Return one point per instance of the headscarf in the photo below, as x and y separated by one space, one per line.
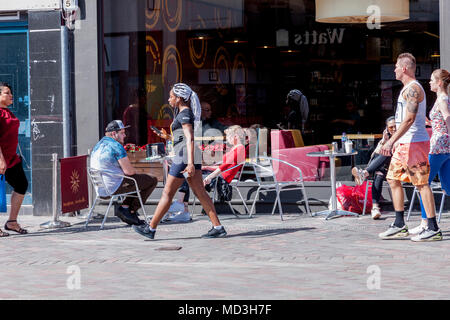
295 94
182 90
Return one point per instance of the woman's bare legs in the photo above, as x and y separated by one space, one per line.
196 184
171 187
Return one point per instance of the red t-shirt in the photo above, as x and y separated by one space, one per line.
9 137
230 159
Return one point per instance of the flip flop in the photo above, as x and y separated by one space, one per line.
20 230
3 234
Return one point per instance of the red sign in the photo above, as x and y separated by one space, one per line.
74 184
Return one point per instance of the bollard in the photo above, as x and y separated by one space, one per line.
55 223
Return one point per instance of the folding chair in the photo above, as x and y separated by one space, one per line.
96 177
267 180
436 188
234 184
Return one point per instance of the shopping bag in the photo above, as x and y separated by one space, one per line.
344 195
352 198
358 193
2 193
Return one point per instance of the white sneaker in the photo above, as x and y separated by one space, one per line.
417 230
176 206
375 212
394 232
359 175
428 235
183 216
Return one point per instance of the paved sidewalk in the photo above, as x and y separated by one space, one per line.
262 258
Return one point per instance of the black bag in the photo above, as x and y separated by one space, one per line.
224 190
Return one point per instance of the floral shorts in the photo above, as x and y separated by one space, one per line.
409 163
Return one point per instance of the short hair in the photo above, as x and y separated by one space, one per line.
408 60
443 75
5 84
236 130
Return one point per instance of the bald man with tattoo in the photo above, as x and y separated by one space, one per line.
409 147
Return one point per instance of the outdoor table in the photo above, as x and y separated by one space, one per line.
162 159
334 211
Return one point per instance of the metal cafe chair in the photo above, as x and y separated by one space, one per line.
234 184
96 177
267 180
436 188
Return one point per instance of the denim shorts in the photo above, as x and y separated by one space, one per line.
177 167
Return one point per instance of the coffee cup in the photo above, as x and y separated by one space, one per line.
348 146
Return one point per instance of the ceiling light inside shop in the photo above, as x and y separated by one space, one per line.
361 11
236 41
290 51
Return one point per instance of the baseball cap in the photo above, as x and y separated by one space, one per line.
115 125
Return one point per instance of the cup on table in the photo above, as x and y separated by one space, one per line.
154 150
348 146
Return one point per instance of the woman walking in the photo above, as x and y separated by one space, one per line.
187 116
10 162
439 155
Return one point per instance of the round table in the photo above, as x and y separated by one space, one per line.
334 211
162 159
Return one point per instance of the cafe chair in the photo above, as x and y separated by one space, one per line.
235 186
96 177
436 188
370 179
277 175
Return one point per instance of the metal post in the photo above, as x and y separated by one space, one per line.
65 82
55 223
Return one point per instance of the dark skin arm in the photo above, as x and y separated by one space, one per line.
413 96
189 134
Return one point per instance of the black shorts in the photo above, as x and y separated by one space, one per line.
178 166
15 176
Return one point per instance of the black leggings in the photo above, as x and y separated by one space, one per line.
378 163
15 176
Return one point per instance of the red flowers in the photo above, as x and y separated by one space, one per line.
130 147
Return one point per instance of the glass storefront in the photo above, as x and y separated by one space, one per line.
244 56
14 66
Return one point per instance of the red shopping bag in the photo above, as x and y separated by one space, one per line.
358 193
352 198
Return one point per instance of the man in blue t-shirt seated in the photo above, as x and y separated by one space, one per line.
109 155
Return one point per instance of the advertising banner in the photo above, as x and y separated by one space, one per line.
74 184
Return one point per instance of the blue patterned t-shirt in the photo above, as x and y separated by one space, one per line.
105 157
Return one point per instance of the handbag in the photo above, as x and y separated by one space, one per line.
2 193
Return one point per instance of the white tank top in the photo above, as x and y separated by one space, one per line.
417 132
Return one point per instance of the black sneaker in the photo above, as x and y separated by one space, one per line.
145 231
215 233
126 216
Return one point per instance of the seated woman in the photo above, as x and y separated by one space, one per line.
235 136
378 165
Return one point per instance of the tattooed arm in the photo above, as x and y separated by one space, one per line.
414 95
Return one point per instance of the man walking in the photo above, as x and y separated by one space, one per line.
109 155
409 147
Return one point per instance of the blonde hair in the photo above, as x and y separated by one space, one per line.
236 130
444 76
407 60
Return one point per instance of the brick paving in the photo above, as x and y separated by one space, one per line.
262 258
